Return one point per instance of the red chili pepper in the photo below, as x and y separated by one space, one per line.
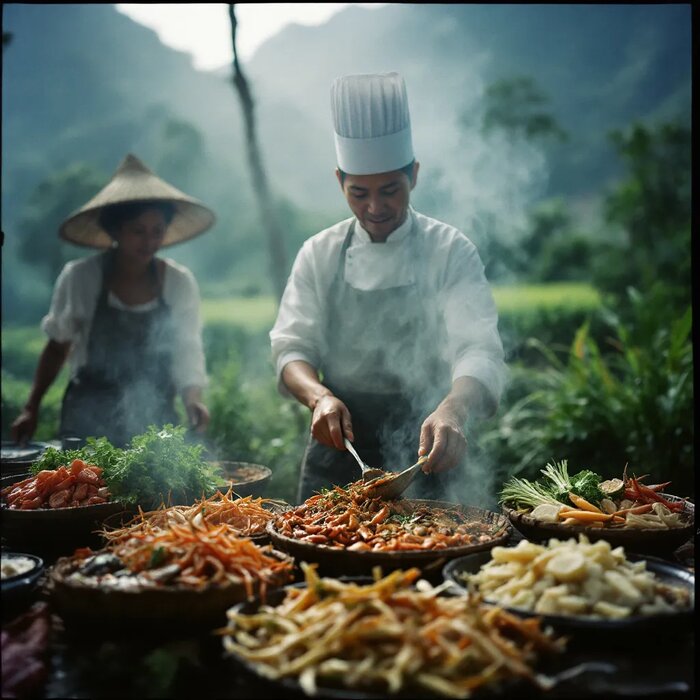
632 489
658 487
646 491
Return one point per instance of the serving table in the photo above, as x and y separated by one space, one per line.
96 663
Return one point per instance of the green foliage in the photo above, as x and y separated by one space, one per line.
14 396
550 249
519 106
551 314
255 313
251 422
53 200
523 492
652 208
633 404
97 451
158 466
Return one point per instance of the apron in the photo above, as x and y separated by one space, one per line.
126 384
383 362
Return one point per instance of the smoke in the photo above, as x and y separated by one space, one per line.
484 185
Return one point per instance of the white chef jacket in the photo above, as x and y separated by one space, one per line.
73 305
451 263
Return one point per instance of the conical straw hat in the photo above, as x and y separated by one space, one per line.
134 182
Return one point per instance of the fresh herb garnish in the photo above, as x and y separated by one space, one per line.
158 466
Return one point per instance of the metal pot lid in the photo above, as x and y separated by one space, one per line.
12 452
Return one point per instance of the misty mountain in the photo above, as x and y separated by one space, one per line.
603 66
86 84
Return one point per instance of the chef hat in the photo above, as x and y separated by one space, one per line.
372 123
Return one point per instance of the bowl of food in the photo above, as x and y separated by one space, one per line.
53 512
167 577
20 576
243 516
578 585
644 518
346 533
245 478
377 636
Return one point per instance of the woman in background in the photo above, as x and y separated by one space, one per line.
128 321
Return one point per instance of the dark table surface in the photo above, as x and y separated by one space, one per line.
98 663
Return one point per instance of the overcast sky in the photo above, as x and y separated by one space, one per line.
204 31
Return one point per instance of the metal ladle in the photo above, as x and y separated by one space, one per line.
393 486
368 473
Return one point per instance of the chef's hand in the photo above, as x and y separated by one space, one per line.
24 425
442 440
196 409
331 421
198 415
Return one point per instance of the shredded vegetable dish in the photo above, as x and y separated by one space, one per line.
190 555
245 517
386 636
346 518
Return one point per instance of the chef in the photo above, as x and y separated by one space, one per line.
387 329
127 320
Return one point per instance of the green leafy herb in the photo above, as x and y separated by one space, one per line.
158 466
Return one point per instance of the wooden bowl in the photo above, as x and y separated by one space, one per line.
52 532
148 610
246 478
638 540
341 562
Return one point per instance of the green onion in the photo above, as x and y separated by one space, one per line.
526 493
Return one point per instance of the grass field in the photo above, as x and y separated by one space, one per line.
515 298
255 314
258 313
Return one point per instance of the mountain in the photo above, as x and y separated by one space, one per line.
82 83
603 66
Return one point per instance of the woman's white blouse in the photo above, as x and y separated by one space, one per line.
452 266
73 305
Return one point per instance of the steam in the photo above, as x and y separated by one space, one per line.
484 185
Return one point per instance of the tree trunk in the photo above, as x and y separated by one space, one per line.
266 204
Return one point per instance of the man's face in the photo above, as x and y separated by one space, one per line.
380 202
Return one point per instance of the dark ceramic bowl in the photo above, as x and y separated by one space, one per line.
19 591
458 571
